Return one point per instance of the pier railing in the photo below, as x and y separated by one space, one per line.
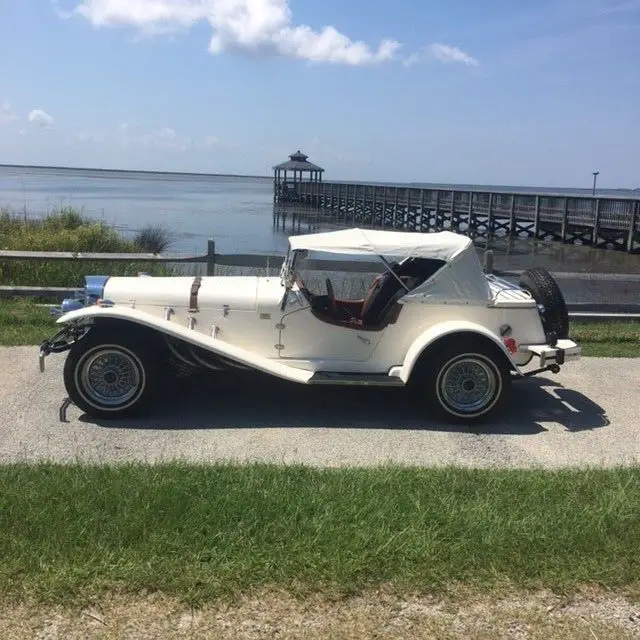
601 222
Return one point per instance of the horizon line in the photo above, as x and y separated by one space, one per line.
147 171
413 183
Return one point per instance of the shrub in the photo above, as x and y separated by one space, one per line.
153 239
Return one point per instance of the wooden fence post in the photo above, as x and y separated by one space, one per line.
452 212
395 208
211 257
565 217
489 232
635 211
596 224
488 261
536 220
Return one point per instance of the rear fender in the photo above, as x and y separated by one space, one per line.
433 335
89 315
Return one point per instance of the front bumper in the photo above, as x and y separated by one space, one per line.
563 351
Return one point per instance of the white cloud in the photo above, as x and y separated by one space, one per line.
127 136
443 53
41 118
7 114
414 58
264 26
164 138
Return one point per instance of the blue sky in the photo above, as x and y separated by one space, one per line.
492 92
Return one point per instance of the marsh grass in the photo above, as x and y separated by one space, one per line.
200 532
65 229
153 239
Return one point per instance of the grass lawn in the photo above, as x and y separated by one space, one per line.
22 322
72 533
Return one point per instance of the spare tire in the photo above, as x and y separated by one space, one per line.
546 292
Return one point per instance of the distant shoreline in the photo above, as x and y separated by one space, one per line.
618 191
142 171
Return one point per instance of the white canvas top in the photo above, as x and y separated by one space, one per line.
460 281
441 245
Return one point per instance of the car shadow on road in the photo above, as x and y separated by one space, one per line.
248 400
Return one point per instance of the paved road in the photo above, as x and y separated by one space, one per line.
586 415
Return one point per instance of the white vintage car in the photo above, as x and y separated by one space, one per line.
431 320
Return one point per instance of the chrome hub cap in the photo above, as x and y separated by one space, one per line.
111 377
468 385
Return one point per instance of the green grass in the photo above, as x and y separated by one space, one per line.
68 230
608 339
22 322
72 532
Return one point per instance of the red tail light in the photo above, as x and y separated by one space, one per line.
511 344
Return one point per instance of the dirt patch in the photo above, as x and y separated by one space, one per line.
374 615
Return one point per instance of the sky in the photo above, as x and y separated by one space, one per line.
499 92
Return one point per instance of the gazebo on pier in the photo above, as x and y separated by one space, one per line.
285 188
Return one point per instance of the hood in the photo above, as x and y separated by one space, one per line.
239 292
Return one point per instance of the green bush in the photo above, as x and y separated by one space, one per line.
64 230
153 239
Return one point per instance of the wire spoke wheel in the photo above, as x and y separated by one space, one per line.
111 376
468 384
464 380
112 372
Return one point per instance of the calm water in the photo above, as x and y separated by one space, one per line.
236 211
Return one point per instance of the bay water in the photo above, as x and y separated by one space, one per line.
237 211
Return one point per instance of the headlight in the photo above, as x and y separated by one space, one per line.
93 291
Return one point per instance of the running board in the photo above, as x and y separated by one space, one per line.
359 379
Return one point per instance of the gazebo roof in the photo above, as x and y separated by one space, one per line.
298 162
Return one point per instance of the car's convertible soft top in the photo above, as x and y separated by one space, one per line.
442 245
460 280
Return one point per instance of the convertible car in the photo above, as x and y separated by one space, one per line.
430 320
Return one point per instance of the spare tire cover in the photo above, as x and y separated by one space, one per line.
546 292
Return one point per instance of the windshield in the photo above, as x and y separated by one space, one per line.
350 279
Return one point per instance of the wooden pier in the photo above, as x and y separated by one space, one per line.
611 223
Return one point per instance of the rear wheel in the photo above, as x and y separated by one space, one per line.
110 373
465 383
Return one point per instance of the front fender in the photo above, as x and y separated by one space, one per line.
208 342
435 333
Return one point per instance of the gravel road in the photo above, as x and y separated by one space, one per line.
586 415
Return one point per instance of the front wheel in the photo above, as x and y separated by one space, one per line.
465 385
109 374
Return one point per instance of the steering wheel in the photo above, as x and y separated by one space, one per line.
331 296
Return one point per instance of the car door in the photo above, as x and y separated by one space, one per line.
303 336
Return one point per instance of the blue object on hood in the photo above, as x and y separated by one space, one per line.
94 288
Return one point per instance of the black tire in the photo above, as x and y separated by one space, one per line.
472 362
122 382
546 292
